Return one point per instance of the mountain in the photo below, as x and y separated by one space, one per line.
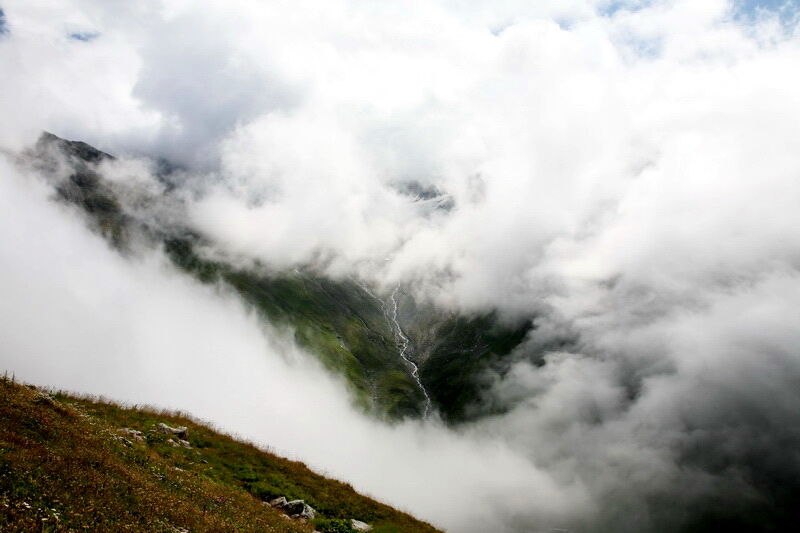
401 358
71 463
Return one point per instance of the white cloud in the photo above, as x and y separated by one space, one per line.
76 315
631 176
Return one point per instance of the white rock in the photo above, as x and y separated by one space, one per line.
278 502
179 432
299 509
358 525
132 434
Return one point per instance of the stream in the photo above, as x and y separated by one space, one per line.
402 341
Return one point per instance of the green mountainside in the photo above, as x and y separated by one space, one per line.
339 320
460 358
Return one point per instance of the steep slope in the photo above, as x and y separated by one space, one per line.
337 320
75 464
334 319
376 341
460 355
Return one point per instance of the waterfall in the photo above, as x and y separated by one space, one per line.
401 339
402 343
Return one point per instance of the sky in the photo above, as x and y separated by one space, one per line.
627 172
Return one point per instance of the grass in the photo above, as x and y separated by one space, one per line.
334 319
64 466
461 358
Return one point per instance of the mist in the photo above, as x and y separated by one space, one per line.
78 316
626 172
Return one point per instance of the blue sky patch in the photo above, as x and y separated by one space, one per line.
84 36
611 7
748 11
3 25
752 7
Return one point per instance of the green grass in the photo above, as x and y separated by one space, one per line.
334 319
63 467
460 359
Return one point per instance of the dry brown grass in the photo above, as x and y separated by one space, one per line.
63 467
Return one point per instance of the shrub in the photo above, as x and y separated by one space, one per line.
336 525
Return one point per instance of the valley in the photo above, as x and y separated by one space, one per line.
400 358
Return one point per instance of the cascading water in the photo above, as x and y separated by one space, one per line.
402 341
402 344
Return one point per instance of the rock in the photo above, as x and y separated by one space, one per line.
278 502
42 398
132 434
184 443
358 525
294 508
299 509
180 432
124 441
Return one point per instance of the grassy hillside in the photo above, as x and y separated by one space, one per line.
336 320
65 465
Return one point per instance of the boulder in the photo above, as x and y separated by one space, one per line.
278 502
42 398
299 509
132 434
358 525
180 432
124 441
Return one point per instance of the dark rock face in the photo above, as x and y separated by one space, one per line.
83 186
78 149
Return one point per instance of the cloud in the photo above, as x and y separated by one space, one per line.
627 171
79 316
